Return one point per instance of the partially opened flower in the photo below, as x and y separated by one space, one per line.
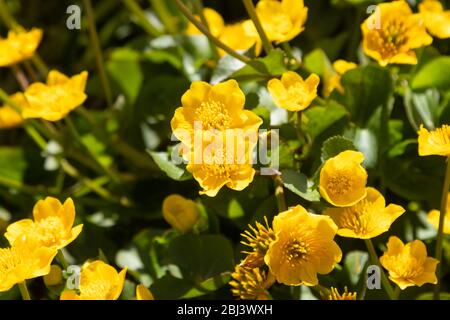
9 117
55 99
181 213
304 247
366 219
142 293
409 265
52 225
98 281
26 259
214 20
343 179
333 81
436 142
292 92
435 18
392 32
19 46
434 215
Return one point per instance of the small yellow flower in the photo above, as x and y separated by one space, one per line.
214 20
26 259
19 46
343 179
408 265
181 213
292 92
54 278
333 81
142 293
258 238
392 32
433 217
9 117
282 20
366 219
436 19
54 100
436 142
335 295
52 225
303 247
98 281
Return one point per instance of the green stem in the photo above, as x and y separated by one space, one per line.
262 34
200 11
24 290
440 233
164 14
141 18
98 51
384 280
397 291
62 259
279 193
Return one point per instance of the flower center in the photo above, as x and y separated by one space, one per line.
298 92
296 251
96 289
9 260
50 230
357 218
339 184
409 267
213 115
440 136
392 37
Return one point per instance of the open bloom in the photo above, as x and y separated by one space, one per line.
55 99
26 259
343 179
437 21
408 265
366 219
142 293
282 20
9 117
436 142
433 217
19 46
292 92
333 81
392 32
181 213
98 281
303 247
52 225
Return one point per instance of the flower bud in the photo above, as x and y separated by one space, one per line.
181 213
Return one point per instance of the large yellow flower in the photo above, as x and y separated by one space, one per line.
292 92
54 100
343 179
333 81
408 265
436 142
9 117
52 225
282 20
19 46
98 281
303 247
181 213
391 34
214 20
436 19
366 219
433 217
26 259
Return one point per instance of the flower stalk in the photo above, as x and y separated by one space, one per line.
267 45
24 290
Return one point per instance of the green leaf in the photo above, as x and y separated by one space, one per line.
354 265
335 145
318 62
226 66
272 65
165 164
298 183
321 118
366 142
12 163
433 74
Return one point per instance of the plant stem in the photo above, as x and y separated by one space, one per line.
279 193
440 233
164 14
20 77
384 280
141 18
200 11
397 292
24 290
262 34
98 51
62 259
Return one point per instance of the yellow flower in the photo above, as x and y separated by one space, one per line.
54 277
436 20
408 265
282 20
98 281
436 142
54 100
19 46
214 20
335 295
366 219
26 259
392 32
181 213
9 117
52 225
334 81
433 217
237 37
343 179
303 247
251 283
142 293
217 107
292 92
